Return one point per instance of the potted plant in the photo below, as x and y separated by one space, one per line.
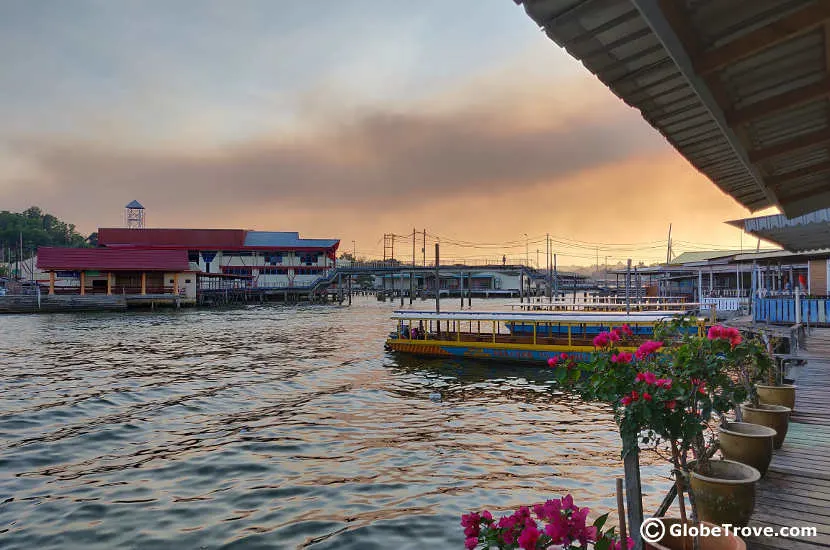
775 391
759 367
555 524
747 442
667 395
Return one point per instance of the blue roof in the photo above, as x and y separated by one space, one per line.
285 239
135 204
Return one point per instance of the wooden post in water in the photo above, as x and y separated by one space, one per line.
349 283
437 285
521 284
555 279
340 287
633 494
461 288
393 286
628 288
469 289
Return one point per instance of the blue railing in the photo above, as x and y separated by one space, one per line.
814 311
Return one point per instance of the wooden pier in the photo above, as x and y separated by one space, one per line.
31 303
796 489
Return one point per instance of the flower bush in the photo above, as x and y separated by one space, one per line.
558 523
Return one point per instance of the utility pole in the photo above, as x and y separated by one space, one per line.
548 266
537 258
437 285
412 273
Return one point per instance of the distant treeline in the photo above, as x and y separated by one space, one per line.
36 228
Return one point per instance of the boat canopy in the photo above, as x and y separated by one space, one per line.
539 316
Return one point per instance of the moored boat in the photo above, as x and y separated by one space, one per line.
515 336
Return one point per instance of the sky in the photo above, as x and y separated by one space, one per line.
337 119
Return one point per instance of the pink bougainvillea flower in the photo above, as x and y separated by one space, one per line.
529 536
626 401
622 357
647 348
487 516
664 383
601 340
671 405
650 378
625 329
471 543
646 396
614 336
635 396
618 545
552 361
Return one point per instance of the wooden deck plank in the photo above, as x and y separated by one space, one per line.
796 490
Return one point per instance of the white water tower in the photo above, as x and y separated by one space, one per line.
134 215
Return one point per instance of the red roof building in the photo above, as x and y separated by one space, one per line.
187 239
111 259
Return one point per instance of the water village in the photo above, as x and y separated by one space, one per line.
740 89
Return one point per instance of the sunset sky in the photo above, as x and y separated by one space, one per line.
338 119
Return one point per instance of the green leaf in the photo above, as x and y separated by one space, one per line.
599 523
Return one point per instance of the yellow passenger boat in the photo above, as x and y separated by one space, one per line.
516 336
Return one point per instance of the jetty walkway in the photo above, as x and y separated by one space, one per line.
796 489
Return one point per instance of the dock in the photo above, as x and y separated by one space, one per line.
796 489
32 303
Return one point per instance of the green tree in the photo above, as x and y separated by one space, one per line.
34 228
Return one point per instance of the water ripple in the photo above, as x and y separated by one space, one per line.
275 427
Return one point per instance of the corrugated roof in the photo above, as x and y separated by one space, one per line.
810 232
702 256
739 87
193 239
111 259
285 239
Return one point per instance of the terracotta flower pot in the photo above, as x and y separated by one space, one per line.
725 494
670 542
749 444
783 395
772 416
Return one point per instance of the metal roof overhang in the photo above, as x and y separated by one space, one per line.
739 87
810 232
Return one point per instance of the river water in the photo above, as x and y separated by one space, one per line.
276 427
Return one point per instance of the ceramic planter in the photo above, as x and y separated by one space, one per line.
749 444
669 542
772 416
726 494
783 395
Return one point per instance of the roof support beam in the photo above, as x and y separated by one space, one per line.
793 24
792 98
809 194
795 144
669 22
778 179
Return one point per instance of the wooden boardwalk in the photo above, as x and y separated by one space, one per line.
796 489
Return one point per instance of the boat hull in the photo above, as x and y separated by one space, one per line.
498 351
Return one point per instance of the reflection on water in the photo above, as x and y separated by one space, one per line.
275 427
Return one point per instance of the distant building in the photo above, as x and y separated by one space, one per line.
205 258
